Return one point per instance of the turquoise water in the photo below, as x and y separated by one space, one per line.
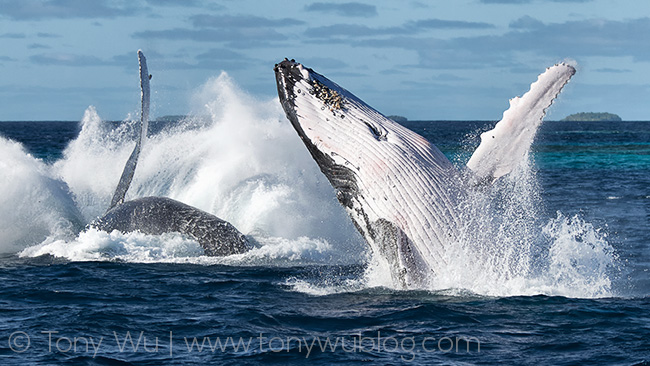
595 146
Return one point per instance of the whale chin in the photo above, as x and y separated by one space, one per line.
401 192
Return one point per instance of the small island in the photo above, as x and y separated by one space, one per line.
592 117
398 119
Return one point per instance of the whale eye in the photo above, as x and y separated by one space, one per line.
378 134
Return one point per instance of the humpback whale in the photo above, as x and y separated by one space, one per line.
158 215
401 192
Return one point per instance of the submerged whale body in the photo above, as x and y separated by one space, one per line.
403 195
159 215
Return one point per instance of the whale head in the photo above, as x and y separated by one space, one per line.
401 192
399 189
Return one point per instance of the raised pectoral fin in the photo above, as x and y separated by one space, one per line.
508 143
129 168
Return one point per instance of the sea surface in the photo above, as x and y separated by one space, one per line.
576 290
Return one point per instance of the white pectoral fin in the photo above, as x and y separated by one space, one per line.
129 168
145 93
508 143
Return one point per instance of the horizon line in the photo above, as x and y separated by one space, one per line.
410 120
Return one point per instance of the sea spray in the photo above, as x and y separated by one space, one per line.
95 245
237 158
233 157
33 204
509 247
245 166
92 163
136 247
581 263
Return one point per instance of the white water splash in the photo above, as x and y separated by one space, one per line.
244 163
509 248
94 245
135 247
579 258
235 158
33 204
326 288
92 163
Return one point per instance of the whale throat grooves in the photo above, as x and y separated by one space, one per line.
410 203
399 190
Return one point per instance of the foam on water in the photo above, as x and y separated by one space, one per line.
322 288
239 159
94 245
509 248
135 247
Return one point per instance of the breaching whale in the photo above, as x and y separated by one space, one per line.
158 215
401 192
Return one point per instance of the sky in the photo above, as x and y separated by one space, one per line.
426 60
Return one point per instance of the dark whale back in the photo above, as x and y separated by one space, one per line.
159 215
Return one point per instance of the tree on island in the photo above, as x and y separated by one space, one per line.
592 117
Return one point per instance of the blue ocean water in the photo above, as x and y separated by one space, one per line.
584 299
